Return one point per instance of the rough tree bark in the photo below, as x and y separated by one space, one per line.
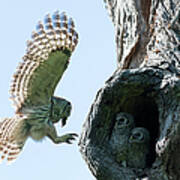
146 85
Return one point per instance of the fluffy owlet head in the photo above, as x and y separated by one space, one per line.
124 122
139 135
60 109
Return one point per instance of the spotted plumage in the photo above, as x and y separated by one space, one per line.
139 147
129 144
124 123
33 85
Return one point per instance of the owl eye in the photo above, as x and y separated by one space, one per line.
68 108
122 121
138 136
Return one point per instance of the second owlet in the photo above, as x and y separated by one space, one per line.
119 140
36 109
138 148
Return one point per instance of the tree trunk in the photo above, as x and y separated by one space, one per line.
145 85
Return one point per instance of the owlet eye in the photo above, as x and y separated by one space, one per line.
138 136
122 121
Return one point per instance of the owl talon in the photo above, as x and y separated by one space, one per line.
70 137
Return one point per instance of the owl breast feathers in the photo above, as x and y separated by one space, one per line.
33 85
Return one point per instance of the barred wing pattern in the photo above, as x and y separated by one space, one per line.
35 80
9 147
45 61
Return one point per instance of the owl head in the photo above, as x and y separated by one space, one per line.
124 122
60 110
139 135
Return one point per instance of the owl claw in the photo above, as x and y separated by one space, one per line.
70 137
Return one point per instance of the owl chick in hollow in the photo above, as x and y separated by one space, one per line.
119 140
36 109
139 144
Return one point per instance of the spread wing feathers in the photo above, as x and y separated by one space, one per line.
12 138
45 61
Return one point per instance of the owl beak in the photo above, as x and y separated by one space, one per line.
63 122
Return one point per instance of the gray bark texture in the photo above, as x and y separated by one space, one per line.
145 85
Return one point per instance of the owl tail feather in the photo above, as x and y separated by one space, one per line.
11 140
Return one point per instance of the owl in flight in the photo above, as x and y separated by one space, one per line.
34 82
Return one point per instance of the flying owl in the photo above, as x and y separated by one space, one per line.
33 85
119 141
139 144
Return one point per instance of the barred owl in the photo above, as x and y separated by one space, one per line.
36 109
120 135
139 144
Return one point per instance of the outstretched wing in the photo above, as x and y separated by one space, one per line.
45 61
